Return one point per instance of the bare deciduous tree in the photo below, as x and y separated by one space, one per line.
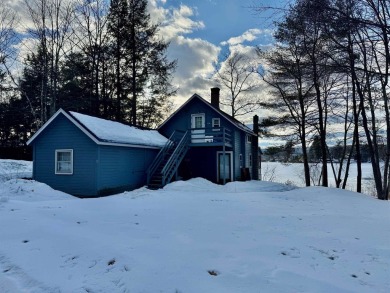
238 74
92 39
291 95
52 21
8 21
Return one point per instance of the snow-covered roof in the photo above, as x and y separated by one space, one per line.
111 131
106 132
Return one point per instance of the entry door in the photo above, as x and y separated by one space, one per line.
224 167
198 121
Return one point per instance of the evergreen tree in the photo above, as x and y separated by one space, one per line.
143 73
315 149
76 90
33 86
118 30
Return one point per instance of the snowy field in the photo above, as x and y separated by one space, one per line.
10 169
195 237
292 173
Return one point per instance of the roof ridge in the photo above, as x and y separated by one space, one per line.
232 120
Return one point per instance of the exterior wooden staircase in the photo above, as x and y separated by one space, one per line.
165 165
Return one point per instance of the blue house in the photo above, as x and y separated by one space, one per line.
205 142
87 156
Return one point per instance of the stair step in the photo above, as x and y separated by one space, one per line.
154 187
155 182
156 178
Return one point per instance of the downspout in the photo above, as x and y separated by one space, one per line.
255 149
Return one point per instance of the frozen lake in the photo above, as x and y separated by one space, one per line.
292 173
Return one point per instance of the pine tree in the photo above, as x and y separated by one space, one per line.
34 87
143 72
76 90
118 30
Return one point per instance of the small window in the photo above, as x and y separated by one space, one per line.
198 122
64 162
216 122
250 160
249 138
240 158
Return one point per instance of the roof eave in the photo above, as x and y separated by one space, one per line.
85 130
249 131
48 122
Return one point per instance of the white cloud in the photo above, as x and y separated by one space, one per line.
174 21
248 36
195 54
196 57
22 11
196 60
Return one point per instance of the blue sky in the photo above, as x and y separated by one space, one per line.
223 19
201 32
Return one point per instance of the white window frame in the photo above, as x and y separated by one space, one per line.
216 124
193 120
57 172
198 134
248 138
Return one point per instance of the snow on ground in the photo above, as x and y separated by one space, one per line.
10 169
292 173
194 236
29 190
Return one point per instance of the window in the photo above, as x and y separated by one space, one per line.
216 122
64 162
198 121
250 160
249 138
240 158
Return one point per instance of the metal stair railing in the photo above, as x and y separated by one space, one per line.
160 157
174 161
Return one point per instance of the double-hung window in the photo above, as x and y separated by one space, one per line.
64 162
216 122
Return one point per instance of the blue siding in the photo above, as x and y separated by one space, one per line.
62 134
202 161
97 170
122 168
237 152
182 119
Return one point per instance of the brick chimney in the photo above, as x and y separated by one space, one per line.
215 97
256 124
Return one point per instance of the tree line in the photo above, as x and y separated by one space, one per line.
103 58
330 65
